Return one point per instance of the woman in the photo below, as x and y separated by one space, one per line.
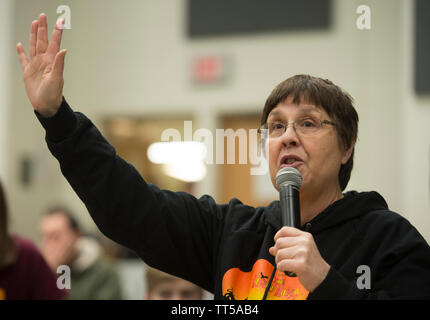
350 246
24 274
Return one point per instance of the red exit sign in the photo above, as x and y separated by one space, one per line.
208 69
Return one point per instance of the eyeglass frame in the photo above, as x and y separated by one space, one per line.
288 124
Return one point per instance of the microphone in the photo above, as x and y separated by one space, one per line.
288 180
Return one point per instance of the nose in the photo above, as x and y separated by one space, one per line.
290 138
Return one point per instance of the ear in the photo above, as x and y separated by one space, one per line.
347 153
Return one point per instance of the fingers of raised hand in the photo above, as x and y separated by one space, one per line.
54 44
59 63
33 38
22 56
42 35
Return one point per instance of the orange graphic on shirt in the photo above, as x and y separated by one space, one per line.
2 294
241 285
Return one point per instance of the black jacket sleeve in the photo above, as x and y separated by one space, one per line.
398 258
171 231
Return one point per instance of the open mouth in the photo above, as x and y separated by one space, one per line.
290 161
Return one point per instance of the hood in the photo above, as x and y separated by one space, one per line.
352 205
89 251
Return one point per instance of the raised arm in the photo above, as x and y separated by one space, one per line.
171 231
43 70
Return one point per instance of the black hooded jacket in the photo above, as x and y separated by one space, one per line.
373 253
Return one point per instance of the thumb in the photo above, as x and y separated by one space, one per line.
58 67
272 251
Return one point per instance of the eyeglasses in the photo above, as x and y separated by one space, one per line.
304 126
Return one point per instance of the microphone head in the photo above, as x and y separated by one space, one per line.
288 176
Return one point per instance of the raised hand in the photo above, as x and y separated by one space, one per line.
43 71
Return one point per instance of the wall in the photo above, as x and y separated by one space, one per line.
415 131
5 54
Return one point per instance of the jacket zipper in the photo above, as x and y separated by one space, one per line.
269 284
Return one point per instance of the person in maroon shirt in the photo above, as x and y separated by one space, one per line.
24 273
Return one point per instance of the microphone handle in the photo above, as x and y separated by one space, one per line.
290 206
290 210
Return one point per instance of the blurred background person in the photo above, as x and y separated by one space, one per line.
163 286
92 277
24 273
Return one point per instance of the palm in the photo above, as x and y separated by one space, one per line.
43 72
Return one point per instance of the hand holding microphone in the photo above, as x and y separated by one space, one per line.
288 181
295 249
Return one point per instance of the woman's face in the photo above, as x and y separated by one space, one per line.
317 156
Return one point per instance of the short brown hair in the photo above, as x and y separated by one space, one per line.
68 214
154 277
324 94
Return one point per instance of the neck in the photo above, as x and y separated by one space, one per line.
311 204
